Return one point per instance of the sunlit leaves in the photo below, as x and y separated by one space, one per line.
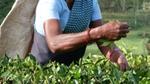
91 69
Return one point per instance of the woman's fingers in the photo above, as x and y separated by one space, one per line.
124 30
123 67
115 30
123 35
124 25
122 62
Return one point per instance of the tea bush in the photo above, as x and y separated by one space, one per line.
92 69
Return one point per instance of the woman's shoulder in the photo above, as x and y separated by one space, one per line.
49 4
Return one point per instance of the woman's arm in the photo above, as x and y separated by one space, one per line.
59 42
113 54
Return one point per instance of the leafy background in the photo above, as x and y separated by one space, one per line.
94 68
5 6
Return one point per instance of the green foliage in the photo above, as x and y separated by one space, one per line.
140 20
5 6
122 5
92 69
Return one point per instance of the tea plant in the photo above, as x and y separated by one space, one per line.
92 69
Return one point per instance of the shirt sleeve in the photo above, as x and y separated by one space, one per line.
96 11
48 9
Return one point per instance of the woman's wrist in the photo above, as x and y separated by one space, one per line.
87 36
96 33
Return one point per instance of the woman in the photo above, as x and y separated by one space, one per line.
64 28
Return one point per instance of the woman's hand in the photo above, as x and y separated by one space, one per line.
114 30
118 57
115 55
111 31
122 63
